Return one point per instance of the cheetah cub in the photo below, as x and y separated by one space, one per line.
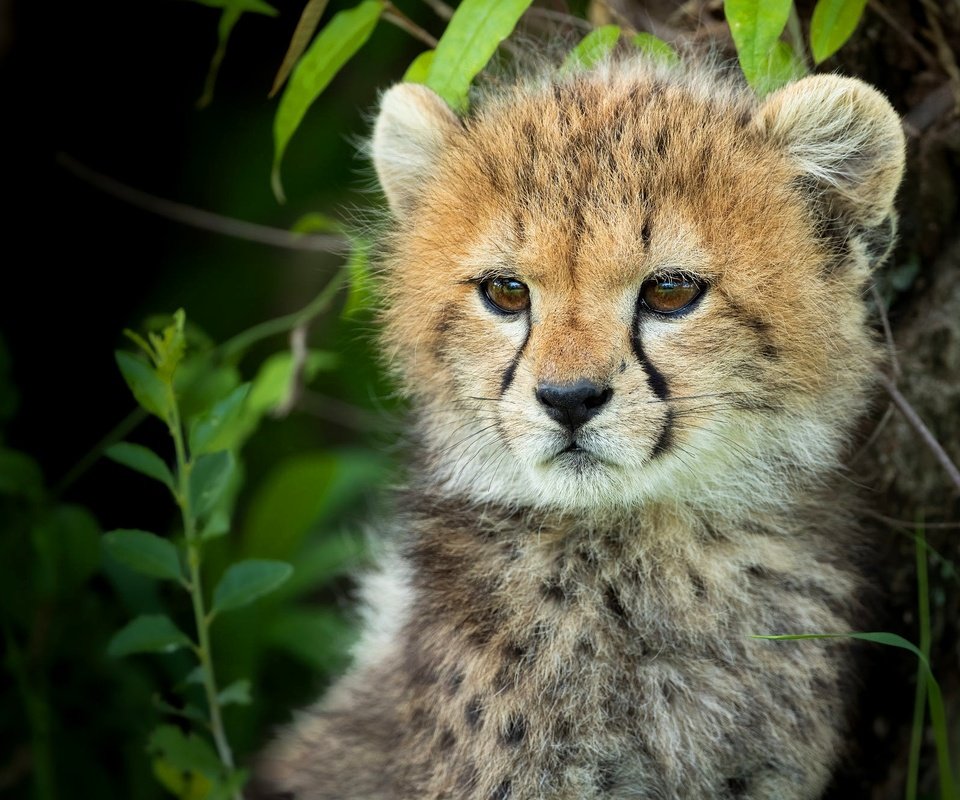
628 307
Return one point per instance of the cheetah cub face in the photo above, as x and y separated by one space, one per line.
623 285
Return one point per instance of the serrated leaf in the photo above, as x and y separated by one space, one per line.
214 430
149 633
247 581
142 460
189 753
144 552
419 68
237 692
209 478
756 26
336 44
832 24
656 48
472 37
150 392
592 48
306 27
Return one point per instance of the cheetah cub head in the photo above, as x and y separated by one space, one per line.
627 285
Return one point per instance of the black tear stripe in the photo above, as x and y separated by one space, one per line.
665 439
512 369
655 379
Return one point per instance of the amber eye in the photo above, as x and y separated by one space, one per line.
506 294
670 294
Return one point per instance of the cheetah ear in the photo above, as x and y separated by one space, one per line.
847 140
411 129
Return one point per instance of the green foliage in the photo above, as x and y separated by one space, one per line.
832 25
756 26
248 581
336 44
145 553
592 48
469 42
656 48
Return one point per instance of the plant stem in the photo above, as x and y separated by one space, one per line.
920 697
204 651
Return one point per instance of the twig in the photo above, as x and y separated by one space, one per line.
887 332
118 432
439 8
298 351
928 438
911 525
944 51
395 16
204 220
559 17
336 411
934 106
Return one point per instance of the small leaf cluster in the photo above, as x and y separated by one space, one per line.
769 62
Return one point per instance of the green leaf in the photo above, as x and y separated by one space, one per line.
592 48
209 478
229 17
188 753
148 633
216 429
198 384
890 639
319 638
148 389
145 553
315 222
419 68
143 460
66 540
656 48
20 475
756 26
255 6
247 581
237 692
218 524
182 784
306 27
783 67
272 383
833 23
360 290
472 36
343 36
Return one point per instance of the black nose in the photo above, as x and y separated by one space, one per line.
572 404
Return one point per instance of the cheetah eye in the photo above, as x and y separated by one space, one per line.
506 295
669 294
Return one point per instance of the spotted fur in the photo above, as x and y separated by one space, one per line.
567 612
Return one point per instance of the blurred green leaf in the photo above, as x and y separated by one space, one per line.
343 36
301 493
144 552
315 222
150 392
217 429
141 459
656 48
592 48
209 478
756 26
472 37
319 638
360 289
237 692
148 633
419 68
199 385
169 345
273 380
247 581
306 27
67 542
255 6
218 524
832 24
335 554
20 475
182 784
186 752
890 639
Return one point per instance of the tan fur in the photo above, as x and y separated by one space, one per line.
579 626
